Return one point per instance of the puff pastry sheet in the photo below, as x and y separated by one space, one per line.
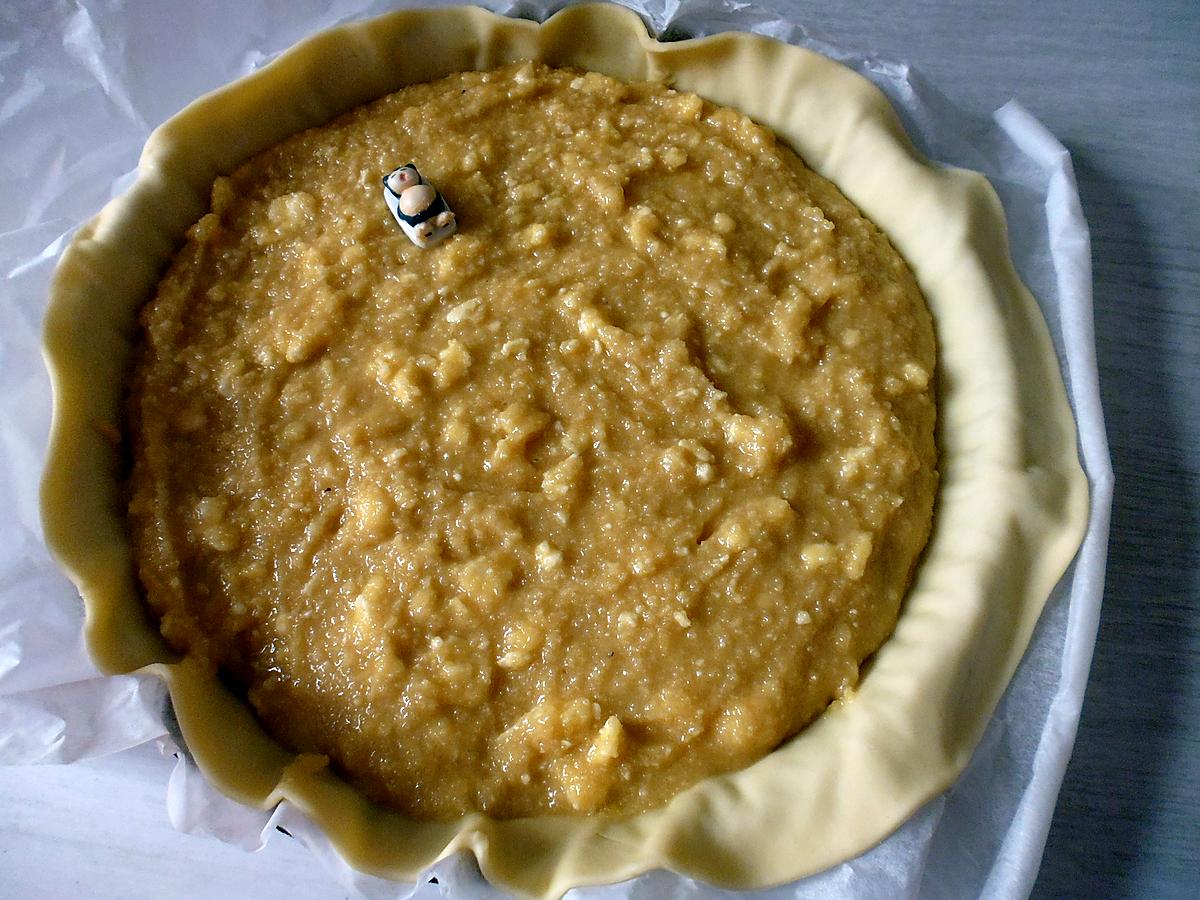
1009 518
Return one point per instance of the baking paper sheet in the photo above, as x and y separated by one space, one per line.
82 86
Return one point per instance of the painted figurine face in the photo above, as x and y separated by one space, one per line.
402 178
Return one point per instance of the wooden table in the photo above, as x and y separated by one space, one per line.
1120 85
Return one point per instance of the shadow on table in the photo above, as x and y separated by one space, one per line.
1121 806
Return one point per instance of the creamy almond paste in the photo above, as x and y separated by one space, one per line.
610 491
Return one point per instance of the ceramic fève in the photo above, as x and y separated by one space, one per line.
418 207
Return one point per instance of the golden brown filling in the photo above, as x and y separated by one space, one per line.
612 490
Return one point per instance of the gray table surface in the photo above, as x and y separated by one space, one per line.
1119 84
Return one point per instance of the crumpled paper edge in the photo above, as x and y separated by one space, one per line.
43 694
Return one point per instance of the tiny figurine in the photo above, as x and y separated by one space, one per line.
418 208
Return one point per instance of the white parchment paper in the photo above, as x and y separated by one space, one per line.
81 87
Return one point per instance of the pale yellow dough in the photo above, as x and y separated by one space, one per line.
612 491
1010 513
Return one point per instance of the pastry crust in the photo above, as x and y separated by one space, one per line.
1011 512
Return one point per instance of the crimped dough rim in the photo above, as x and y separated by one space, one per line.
1010 515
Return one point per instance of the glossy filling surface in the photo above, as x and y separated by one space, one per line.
611 490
